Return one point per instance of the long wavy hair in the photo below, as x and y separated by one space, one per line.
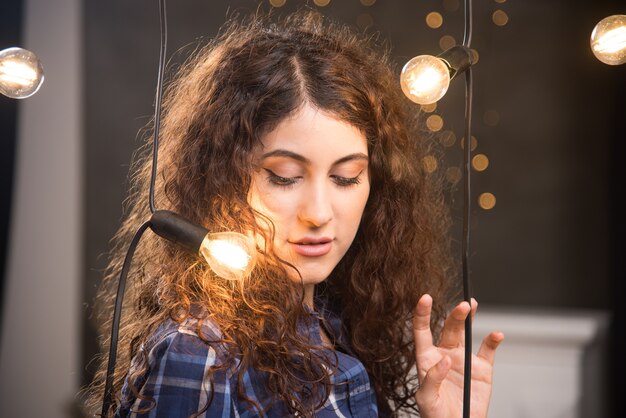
253 75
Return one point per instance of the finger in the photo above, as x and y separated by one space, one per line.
421 324
489 345
454 327
429 387
474 308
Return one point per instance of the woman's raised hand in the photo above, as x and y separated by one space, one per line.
440 368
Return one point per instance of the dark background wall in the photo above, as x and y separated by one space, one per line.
10 27
548 115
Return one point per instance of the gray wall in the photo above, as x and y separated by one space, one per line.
40 365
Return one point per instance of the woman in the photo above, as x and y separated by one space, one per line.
294 133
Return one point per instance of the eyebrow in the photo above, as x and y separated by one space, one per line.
298 157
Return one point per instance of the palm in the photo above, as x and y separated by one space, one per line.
440 368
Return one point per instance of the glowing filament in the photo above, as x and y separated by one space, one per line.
229 254
21 73
425 79
612 41
608 40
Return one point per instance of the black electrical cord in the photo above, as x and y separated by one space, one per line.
115 326
119 298
467 293
157 104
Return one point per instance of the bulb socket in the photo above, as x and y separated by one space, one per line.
177 229
458 59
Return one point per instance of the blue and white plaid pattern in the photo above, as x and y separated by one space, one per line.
177 378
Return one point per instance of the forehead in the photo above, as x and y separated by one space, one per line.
317 135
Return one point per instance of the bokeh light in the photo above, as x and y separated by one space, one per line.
447 138
446 42
434 20
491 117
500 18
451 5
429 108
430 163
434 123
364 21
453 175
487 201
480 162
475 56
474 143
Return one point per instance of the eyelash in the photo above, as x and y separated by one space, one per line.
287 182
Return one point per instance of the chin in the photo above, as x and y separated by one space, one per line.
308 277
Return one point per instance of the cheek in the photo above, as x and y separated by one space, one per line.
275 204
353 204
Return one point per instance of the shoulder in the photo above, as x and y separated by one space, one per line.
188 367
191 344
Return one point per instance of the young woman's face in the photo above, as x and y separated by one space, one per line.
311 179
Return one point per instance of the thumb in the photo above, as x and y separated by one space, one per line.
429 388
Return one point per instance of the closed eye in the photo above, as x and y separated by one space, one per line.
347 181
280 181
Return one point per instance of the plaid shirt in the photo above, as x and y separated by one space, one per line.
177 377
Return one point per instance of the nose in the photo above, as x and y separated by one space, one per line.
316 207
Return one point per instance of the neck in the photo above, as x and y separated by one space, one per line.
309 291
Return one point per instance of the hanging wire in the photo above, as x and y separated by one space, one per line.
157 104
467 291
115 326
119 298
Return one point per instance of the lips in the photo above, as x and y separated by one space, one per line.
312 246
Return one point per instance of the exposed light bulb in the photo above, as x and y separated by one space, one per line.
425 79
21 73
608 40
229 254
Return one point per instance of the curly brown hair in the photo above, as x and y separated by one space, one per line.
256 73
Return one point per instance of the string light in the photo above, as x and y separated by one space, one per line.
425 79
608 40
368 2
229 254
21 73
278 3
